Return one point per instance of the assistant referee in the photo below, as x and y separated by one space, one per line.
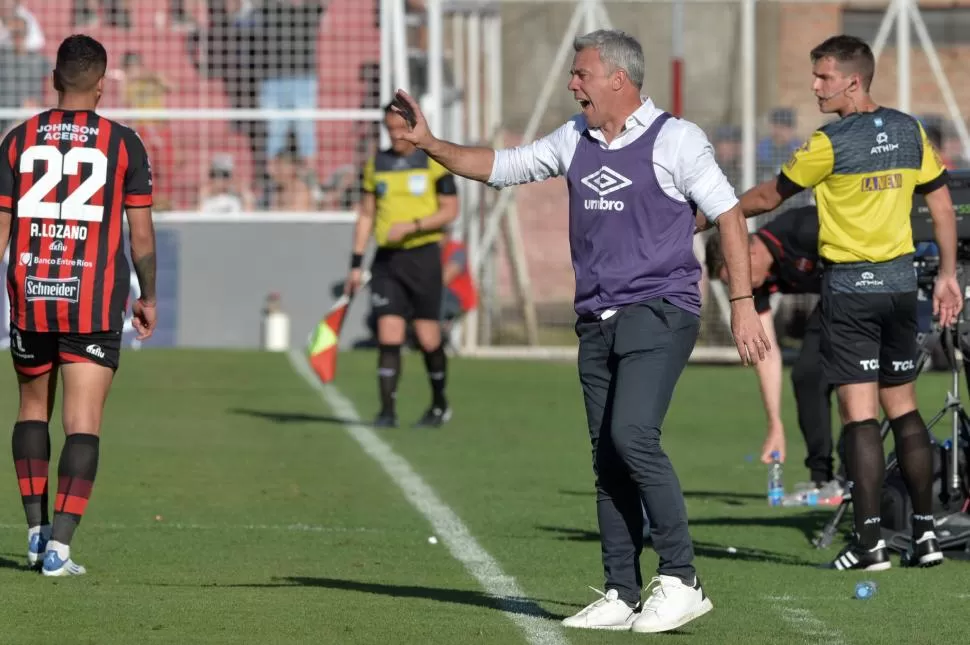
864 169
408 199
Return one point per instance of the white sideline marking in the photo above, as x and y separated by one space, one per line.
804 622
447 526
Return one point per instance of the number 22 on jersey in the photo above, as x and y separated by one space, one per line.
59 166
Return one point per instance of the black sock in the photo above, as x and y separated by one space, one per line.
388 371
915 454
31 457
75 479
437 364
866 468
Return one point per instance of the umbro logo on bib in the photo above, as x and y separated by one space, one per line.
604 182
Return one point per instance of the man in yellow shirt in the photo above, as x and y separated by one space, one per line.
864 169
408 199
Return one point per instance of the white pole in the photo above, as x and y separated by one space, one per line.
493 45
604 16
436 54
884 28
945 89
400 50
387 84
903 67
589 15
748 96
473 104
495 214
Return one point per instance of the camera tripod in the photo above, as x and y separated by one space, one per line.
960 438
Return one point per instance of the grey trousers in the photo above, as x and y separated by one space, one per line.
628 367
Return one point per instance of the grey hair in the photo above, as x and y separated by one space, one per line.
617 49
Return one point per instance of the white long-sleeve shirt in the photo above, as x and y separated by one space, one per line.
683 159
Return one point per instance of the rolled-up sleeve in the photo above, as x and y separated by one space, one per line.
698 177
542 159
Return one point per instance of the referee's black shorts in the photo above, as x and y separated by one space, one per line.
407 282
868 337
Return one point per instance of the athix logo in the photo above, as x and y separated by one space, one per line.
603 182
94 350
883 145
868 280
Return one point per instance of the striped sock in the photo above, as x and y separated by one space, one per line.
31 445
75 479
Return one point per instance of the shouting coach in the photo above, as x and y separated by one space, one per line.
632 173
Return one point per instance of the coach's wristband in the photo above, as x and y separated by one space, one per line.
736 298
356 260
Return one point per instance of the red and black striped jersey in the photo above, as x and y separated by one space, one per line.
66 177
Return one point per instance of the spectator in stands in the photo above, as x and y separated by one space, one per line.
778 147
116 13
293 185
144 88
229 45
222 193
9 12
287 55
23 73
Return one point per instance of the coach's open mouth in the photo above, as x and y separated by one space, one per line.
583 103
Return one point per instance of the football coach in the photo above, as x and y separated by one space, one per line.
632 172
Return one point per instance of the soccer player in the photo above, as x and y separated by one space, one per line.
864 169
67 175
632 171
408 199
784 259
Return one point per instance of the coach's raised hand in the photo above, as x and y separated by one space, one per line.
473 162
417 132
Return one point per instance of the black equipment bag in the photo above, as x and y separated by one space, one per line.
950 510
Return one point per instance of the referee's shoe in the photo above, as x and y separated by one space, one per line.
435 417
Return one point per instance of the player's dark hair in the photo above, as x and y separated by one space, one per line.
713 257
851 53
81 62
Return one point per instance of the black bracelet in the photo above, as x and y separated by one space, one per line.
736 298
356 260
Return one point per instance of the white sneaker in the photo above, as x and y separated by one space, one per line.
671 604
609 612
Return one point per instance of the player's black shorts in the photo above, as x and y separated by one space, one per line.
35 353
407 282
869 328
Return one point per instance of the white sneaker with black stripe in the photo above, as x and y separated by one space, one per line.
672 604
856 557
609 612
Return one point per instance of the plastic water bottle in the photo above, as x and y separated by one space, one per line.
776 488
865 590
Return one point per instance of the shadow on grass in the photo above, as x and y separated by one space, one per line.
290 417
523 606
808 524
701 549
18 565
726 497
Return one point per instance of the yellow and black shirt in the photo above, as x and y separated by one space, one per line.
864 169
405 189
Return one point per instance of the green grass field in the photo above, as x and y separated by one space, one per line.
232 506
